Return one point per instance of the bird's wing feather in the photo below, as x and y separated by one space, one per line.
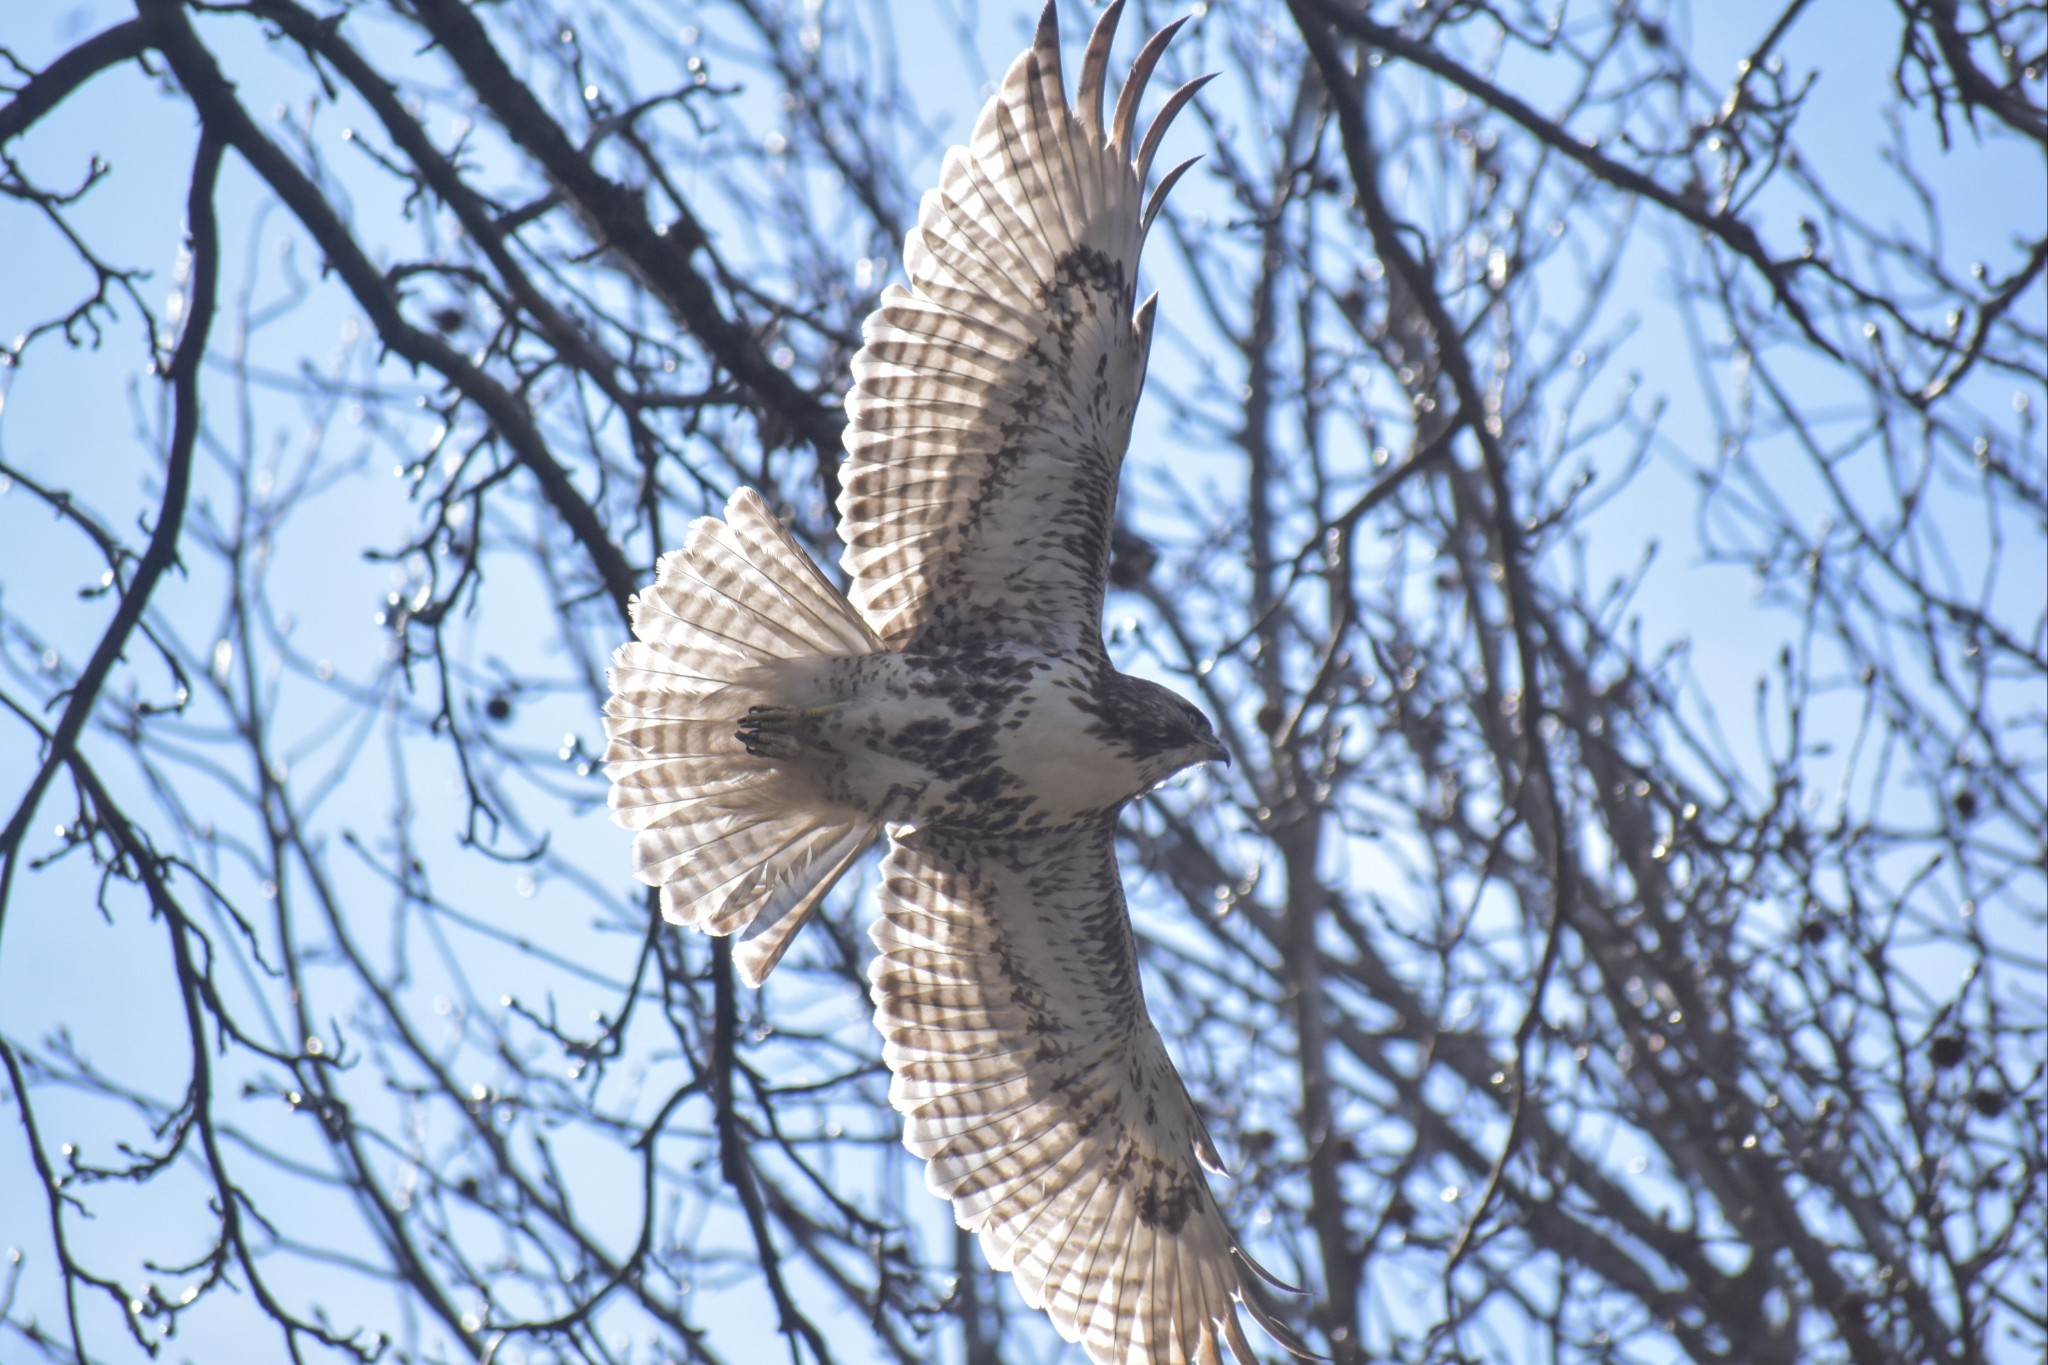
992 400
1032 1080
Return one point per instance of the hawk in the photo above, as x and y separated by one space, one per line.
765 729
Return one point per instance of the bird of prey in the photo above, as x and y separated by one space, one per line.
764 730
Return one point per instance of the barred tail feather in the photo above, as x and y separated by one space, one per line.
738 844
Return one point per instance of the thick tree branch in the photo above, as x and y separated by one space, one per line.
182 377
200 75
1723 226
58 81
617 217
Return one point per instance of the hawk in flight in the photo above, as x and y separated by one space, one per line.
764 730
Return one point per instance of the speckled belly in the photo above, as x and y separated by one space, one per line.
1004 741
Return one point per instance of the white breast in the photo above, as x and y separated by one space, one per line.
1056 754
908 740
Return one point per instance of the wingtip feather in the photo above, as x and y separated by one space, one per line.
1161 121
1095 68
1161 190
1134 84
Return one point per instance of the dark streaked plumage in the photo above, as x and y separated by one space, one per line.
764 729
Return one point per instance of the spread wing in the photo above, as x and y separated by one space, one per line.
1033 1081
992 400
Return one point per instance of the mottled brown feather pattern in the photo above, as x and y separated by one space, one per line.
991 407
993 399
737 847
762 730
1034 1083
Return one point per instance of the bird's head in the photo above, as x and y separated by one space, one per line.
1164 731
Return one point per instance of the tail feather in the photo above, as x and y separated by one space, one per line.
738 844
743 587
763 942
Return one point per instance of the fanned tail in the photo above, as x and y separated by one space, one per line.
738 843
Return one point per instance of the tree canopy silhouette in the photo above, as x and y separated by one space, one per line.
1592 470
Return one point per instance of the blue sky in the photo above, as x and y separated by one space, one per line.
72 417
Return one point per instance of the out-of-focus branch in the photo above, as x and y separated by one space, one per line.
203 239
1725 227
2009 104
1561 989
1535 786
46 89
617 217
563 332
200 74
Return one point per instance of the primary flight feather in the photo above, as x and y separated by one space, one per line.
764 730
